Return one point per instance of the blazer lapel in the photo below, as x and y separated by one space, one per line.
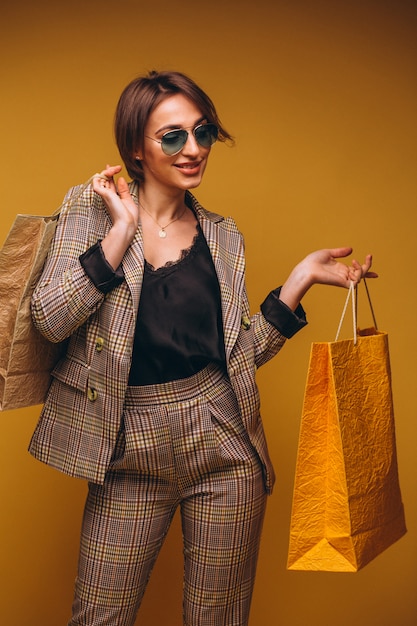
226 247
133 262
227 250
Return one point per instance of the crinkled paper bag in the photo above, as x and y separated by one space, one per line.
347 505
26 357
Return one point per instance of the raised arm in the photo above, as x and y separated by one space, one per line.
123 213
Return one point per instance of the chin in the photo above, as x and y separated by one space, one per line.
190 183
193 185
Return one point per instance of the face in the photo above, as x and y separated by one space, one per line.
184 170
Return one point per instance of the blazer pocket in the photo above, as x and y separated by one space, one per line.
72 372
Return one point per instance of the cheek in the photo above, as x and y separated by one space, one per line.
204 164
155 158
158 167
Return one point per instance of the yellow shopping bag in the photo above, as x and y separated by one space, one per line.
347 505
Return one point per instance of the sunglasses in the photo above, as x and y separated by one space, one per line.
173 141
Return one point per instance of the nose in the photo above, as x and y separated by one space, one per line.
191 146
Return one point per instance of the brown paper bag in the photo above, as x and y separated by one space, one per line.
347 505
26 357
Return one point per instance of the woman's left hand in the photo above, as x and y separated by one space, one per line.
323 267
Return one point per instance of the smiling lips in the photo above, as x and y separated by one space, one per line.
188 167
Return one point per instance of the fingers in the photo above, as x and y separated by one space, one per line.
339 253
100 183
368 262
367 266
123 188
355 272
104 180
358 271
111 170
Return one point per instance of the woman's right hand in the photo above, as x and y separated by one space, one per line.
123 212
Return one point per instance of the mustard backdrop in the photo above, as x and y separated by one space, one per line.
321 97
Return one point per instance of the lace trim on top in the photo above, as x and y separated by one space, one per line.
186 253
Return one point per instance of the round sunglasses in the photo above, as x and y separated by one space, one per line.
173 141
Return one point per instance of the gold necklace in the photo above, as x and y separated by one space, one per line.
162 229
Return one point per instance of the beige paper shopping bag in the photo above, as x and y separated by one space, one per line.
26 357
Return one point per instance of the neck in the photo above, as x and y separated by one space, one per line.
162 206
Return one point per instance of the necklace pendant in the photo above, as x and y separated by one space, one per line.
162 233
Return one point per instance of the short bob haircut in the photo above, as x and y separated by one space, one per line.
137 102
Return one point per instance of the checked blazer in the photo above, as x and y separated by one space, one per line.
82 414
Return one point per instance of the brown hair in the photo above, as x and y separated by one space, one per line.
137 102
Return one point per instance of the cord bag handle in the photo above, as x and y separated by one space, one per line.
352 294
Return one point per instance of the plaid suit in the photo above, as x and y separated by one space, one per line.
197 443
90 382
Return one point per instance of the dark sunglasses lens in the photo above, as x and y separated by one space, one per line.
206 134
173 141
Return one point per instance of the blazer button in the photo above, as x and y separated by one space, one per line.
92 394
99 344
245 322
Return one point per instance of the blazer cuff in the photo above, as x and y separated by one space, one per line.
277 313
99 270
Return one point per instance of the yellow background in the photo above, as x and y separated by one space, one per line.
321 96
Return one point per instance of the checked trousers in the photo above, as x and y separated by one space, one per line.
182 444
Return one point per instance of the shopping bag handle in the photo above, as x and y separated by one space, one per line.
352 293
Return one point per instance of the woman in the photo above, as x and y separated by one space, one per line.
155 402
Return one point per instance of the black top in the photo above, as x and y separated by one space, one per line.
179 326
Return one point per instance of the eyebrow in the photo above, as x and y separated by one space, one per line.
178 126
